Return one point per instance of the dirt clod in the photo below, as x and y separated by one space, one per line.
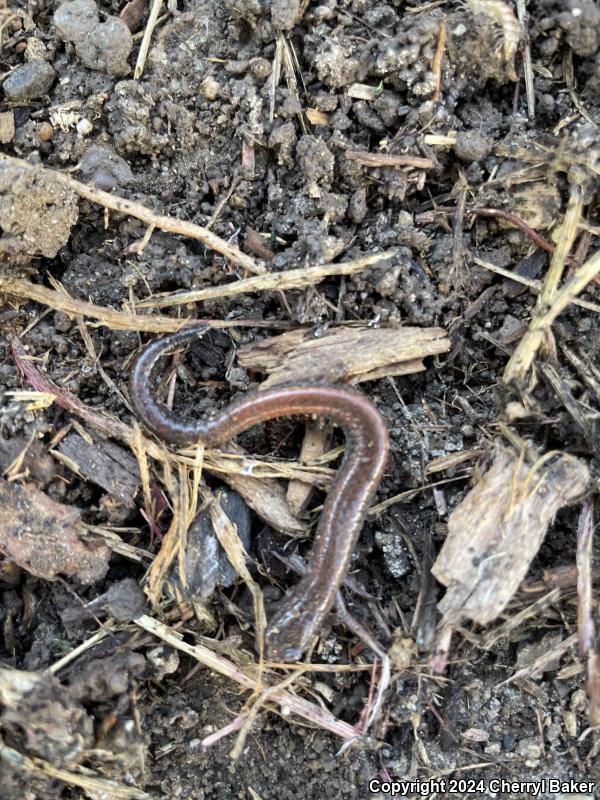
103 46
36 210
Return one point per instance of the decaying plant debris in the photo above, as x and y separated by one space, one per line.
495 532
401 197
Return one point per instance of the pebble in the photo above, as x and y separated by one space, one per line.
165 660
209 88
101 165
531 750
84 127
260 68
29 81
45 131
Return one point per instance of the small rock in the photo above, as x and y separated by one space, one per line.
125 600
508 741
260 68
509 326
45 131
210 88
492 749
164 659
570 722
84 127
531 750
476 735
29 81
101 165
36 50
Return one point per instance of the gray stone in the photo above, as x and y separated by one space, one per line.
29 81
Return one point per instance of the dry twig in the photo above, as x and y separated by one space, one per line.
155 9
149 217
277 281
297 705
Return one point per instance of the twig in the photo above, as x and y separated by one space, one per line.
387 160
116 320
147 38
525 50
297 705
292 279
585 623
524 354
582 276
458 252
568 234
144 214
77 651
588 646
540 664
233 727
508 216
436 64
531 283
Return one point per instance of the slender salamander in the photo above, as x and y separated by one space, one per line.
301 613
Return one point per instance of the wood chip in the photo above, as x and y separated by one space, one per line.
105 464
266 497
40 535
361 91
7 127
314 444
495 532
316 117
132 14
347 354
387 160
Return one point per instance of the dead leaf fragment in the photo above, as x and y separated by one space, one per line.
39 535
495 532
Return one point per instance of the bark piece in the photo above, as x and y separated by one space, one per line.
314 444
495 532
265 496
105 464
348 354
39 535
